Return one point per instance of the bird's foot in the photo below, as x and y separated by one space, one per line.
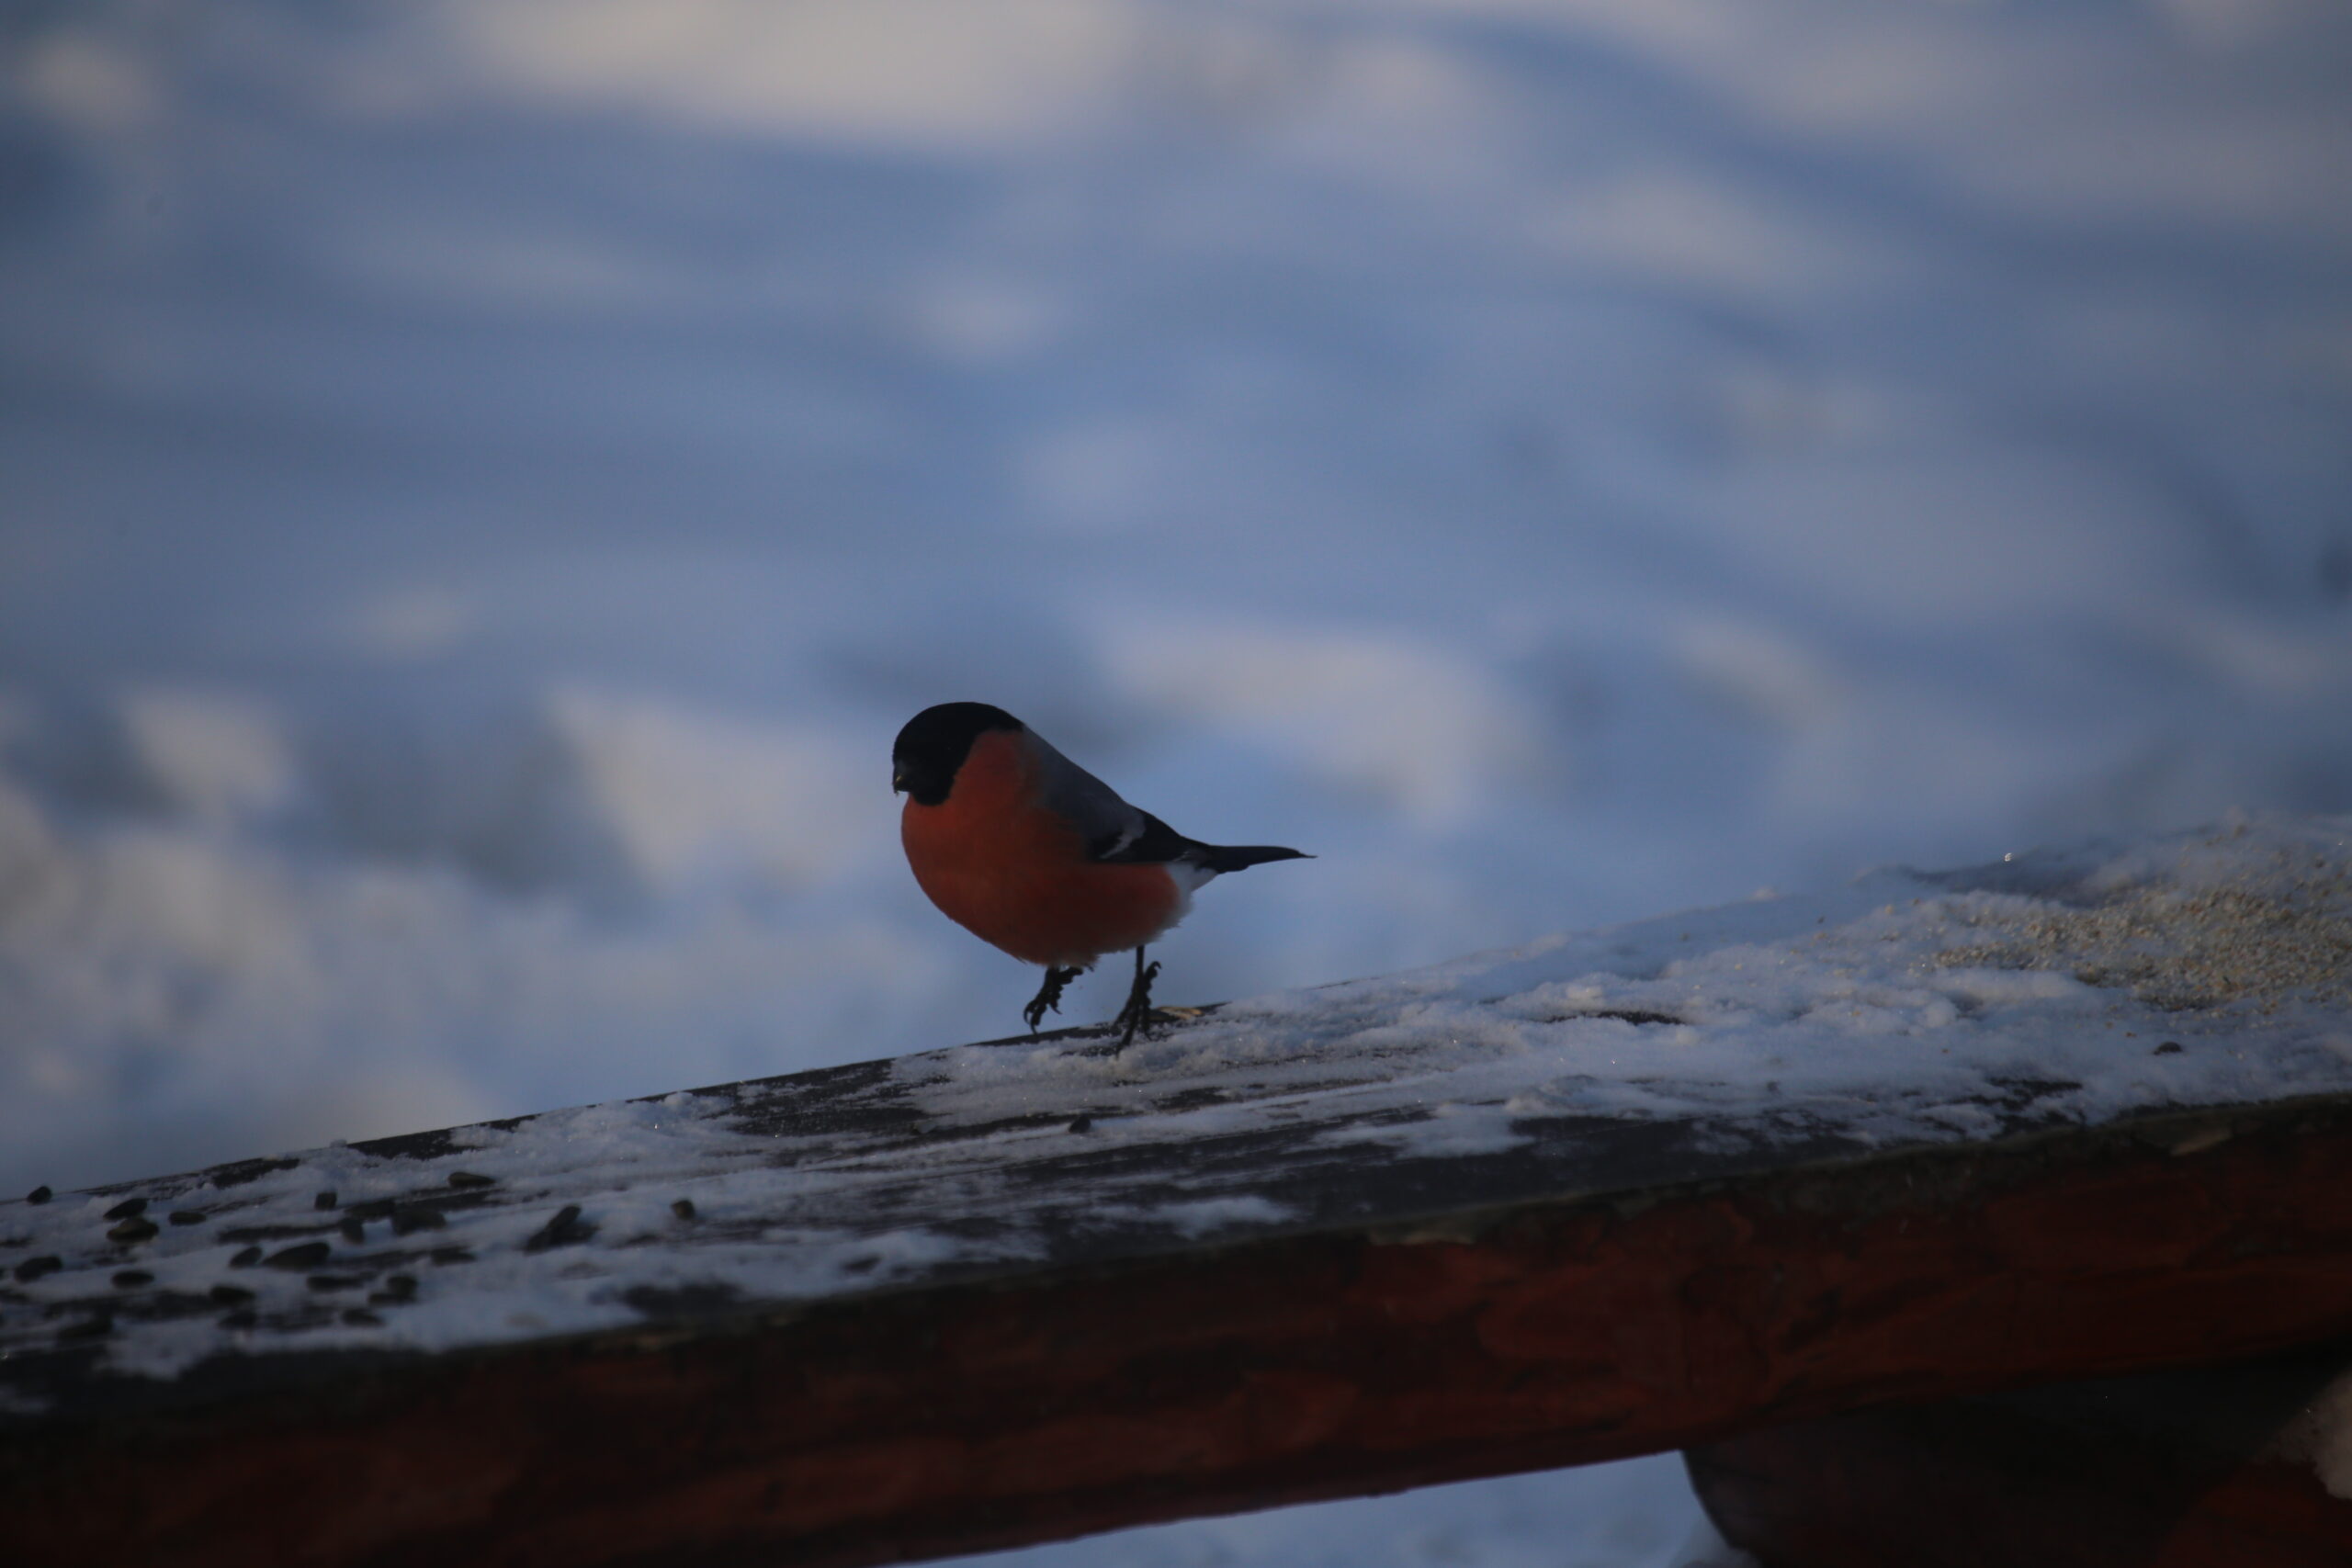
1137 1014
1049 996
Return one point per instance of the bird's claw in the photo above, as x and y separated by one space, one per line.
1049 996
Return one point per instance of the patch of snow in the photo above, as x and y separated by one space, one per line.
1635 1514
1206 1216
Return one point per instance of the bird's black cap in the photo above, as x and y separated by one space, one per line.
934 743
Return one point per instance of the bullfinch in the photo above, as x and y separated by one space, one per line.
1032 854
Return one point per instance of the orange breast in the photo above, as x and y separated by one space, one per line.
1016 877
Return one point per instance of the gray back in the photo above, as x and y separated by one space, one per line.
1109 823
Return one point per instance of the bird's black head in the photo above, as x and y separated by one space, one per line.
935 744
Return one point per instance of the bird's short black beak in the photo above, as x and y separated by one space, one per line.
898 781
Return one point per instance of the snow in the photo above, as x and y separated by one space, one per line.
482 483
1879 1009
481 489
1637 1514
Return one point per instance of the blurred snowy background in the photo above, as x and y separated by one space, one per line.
482 481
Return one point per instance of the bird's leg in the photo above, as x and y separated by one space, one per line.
1049 995
1137 1012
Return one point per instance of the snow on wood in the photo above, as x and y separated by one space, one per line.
2077 1113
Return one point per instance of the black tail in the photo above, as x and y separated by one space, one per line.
1241 857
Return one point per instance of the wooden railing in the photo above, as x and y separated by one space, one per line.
1027 1290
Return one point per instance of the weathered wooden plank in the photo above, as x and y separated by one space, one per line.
1615 1194
1280 1370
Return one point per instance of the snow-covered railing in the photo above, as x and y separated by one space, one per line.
2072 1115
